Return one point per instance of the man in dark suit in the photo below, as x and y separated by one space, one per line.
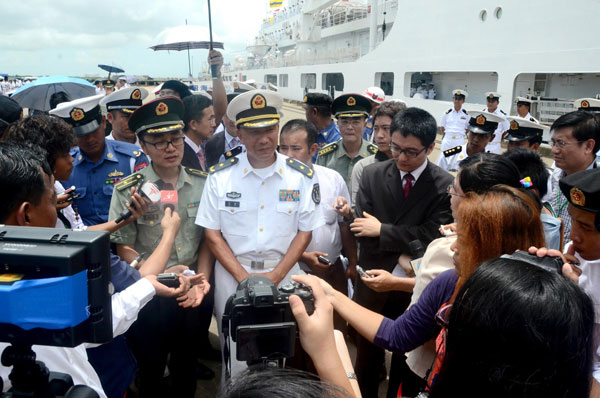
199 119
399 200
225 143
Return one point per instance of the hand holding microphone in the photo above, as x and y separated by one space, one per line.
148 191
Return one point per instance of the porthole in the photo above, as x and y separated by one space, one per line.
483 15
498 12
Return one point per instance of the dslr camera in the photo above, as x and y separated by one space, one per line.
259 319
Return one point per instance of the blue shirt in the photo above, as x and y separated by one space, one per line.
326 136
94 182
368 132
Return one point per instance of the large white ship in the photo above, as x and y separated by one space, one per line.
548 51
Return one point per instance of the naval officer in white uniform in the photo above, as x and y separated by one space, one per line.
454 122
493 99
258 209
523 108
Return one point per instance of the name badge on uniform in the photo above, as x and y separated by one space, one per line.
193 204
233 195
289 195
231 203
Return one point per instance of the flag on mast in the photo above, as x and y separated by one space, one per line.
275 3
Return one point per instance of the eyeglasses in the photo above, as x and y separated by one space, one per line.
162 145
409 153
561 144
451 191
443 316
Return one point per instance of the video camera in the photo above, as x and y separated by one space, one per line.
54 290
260 321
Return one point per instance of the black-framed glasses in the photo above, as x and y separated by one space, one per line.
560 144
409 153
162 145
451 191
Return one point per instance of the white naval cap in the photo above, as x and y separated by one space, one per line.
492 95
126 99
482 122
523 99
458 92
241 87
522 129
255 109
588 104
374 94
83 114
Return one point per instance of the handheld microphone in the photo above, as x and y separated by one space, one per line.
150 191
168 197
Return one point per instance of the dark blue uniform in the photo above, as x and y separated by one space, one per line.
368 131
94 182
326 136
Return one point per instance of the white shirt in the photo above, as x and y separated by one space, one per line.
455 123
451 163
416 173
495 145
328 238
137 140
259 212
74 361
68 212
196 148
431 94
229 144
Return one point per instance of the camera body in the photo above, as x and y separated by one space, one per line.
259 319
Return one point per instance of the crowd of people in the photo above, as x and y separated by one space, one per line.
402 253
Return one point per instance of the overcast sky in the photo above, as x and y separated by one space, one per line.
41 37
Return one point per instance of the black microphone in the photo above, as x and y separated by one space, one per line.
416 248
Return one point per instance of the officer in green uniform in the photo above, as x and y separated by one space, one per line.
351 111
162 326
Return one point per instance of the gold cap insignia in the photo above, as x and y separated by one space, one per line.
136 94
235 85
305 99
351 101
480 120
458 93
258 102
585 104
77 114
577 197
162 109
514 125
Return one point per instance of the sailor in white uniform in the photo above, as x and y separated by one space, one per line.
481 131
493 99
523 108
454 122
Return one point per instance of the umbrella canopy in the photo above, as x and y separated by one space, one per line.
184 37
36 95
111 68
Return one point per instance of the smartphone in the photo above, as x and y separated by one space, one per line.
324 260
169 279
362 272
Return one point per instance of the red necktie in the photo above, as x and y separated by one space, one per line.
408 183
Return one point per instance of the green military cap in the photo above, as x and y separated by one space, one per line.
350 105
159 116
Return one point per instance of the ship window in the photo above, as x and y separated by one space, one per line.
483 15
385 80
271 79
419 85
283 80
308 80
244 78
498 12
335 80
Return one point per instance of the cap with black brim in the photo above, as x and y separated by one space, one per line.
159 116
83 114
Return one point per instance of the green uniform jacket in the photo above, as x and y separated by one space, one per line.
335 157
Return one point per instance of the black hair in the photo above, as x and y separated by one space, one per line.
515 331
194 105
300 124
280 383
323 109
51 133
416 122
22 168
531 165
389 109
178 87
480 172
585 126
58 98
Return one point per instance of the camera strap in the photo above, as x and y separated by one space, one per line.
226 356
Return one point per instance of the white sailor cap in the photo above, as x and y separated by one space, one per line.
255 109
482 122
588 104
83 114
523 100
522 129
374 94
125 100
458 92
122 78
492 95
240 87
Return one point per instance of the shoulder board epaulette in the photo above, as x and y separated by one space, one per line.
372 148
504 113
485 109
129 181
328 148
452 151
196 172
532 120
466 113
234 152
137 153
223 165
126 148
449 110
301 167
